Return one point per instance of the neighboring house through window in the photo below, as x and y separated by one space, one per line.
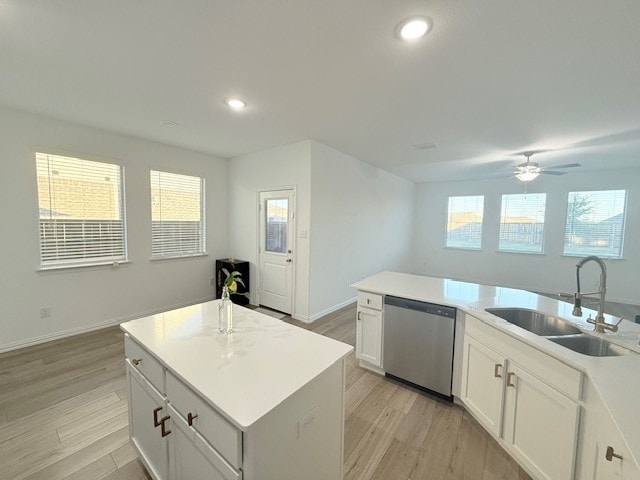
595 223
522 223
81 212
464 222
177 215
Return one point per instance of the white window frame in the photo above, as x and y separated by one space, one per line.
446 228
622 232
90 261
544 225
202 251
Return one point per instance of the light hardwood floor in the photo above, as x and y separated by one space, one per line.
63 415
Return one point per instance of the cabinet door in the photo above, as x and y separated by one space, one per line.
482 389
610 467
369 336
144 402
191 457
540 425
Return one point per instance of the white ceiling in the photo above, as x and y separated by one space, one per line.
492 78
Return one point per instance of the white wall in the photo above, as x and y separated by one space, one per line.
274 168
550 272
361 224
85 298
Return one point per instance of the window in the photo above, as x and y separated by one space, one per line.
522 223
595 223
177 215
464 222
277 224
81 212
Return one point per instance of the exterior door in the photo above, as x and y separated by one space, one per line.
276 249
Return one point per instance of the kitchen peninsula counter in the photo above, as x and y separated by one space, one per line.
615 379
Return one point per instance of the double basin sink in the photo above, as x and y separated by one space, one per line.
558 331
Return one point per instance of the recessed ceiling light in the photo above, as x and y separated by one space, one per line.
235 103
414 28
169 123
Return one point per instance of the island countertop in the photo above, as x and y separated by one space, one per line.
615 378
244 374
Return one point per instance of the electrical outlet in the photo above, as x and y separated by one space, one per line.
308 421
45 312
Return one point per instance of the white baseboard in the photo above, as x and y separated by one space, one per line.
90 328
327 311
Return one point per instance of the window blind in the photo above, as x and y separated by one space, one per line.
595 223
464 222
81 211
522 223
177 215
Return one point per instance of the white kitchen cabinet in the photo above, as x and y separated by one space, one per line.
191 456
604 453
247 406
532 420
369 328
483 384
147 412
540 425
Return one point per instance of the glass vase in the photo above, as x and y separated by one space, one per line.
225 312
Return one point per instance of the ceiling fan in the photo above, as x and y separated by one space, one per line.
528 170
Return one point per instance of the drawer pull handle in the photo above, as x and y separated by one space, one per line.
610 454
164 432
497 367
509 377
359 316
190 418
136 361
368 301
156 422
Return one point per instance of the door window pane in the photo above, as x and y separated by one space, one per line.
464 222
595 223
522 223
277 215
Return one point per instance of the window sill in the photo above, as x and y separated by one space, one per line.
61 268
582 255
521 252
466 249
185 257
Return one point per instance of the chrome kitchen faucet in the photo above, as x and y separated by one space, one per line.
598 322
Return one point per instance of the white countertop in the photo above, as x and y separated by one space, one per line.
617 379
244 374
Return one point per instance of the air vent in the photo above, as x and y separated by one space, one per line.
425 146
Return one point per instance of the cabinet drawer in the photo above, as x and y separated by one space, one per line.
145 363
223 436
370 300
193 456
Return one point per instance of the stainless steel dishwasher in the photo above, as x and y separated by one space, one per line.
418 343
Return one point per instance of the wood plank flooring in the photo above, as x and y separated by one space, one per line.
63 415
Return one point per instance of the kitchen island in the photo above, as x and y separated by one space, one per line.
563 415
264 402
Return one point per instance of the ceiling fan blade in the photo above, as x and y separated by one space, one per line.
551 172
497 175
567 165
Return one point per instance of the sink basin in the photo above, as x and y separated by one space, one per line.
592 346
535 322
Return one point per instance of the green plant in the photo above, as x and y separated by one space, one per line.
232 280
